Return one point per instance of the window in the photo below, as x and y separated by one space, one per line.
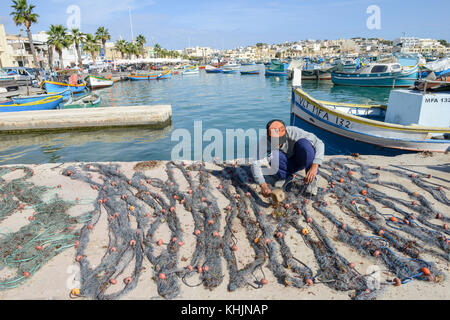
379 69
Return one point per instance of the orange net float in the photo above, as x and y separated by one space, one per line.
234 248
426 271
162 276
128 280
160 242
197 232
113 281
264 281
397 282
363 192
205 268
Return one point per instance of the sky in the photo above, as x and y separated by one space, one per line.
226 24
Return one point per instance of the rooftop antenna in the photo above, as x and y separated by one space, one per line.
131 25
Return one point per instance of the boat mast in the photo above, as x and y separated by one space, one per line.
131 25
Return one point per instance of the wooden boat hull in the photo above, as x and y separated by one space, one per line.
141 77
166 75
270 73
218 70
250 72
54 87
29 99
47 103
388 79
348 133
98 82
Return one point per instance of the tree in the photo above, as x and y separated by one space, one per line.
78 38
59 40
90 45
121 47
23 15
141 41
103 35
157 49
131 49
443 42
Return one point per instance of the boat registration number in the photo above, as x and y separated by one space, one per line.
323 114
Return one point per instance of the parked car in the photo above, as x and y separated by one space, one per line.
8 82
22 75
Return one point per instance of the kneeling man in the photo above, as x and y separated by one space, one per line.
295 150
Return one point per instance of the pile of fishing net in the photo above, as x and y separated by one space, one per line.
139 206
48 232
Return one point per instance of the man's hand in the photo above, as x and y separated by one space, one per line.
265 190
311 174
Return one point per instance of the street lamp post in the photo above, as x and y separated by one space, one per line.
23 59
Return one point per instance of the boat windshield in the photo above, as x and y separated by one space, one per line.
379 69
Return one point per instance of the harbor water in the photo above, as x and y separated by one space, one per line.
220 101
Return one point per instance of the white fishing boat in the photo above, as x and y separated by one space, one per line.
95 82
231 66
191 70
408 123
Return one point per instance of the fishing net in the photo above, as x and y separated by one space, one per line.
396 232
49 229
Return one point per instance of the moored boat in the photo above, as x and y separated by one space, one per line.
405 124
165 75
250 72
276 68
143 76
54 87
95 82
88 100
190 70
377 75
211 69
28 99
47 103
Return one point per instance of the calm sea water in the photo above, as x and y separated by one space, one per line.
220 101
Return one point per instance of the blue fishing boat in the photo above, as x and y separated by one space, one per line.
378 75
249 72
211 69
143 76
28 99
165 75
47 103
56 87
276 68
227 71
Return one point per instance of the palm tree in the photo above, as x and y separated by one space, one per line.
90 45
121 47
59 40
141 41
157 49
103 35
23 15
131 49
78 38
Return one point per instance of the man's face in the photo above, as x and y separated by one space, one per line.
278 130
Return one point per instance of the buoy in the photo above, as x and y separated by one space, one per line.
206 268
309 220
350 173
426 271
113 249
376 253
438 216
39 248
342 180
279 235
309 282
216 234
128 280
264 281
160 242
190 191
267 241
162 276
113 281
393 219
197 232
132 243
79 258
305 231
172 209
287 206
397 282
190 268
199 269
180 243
234 248
26 274
228 208
220 187
210 222
352 265
174 239
75 292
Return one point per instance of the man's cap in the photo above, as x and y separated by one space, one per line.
277 129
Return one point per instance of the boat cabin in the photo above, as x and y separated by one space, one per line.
380 68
